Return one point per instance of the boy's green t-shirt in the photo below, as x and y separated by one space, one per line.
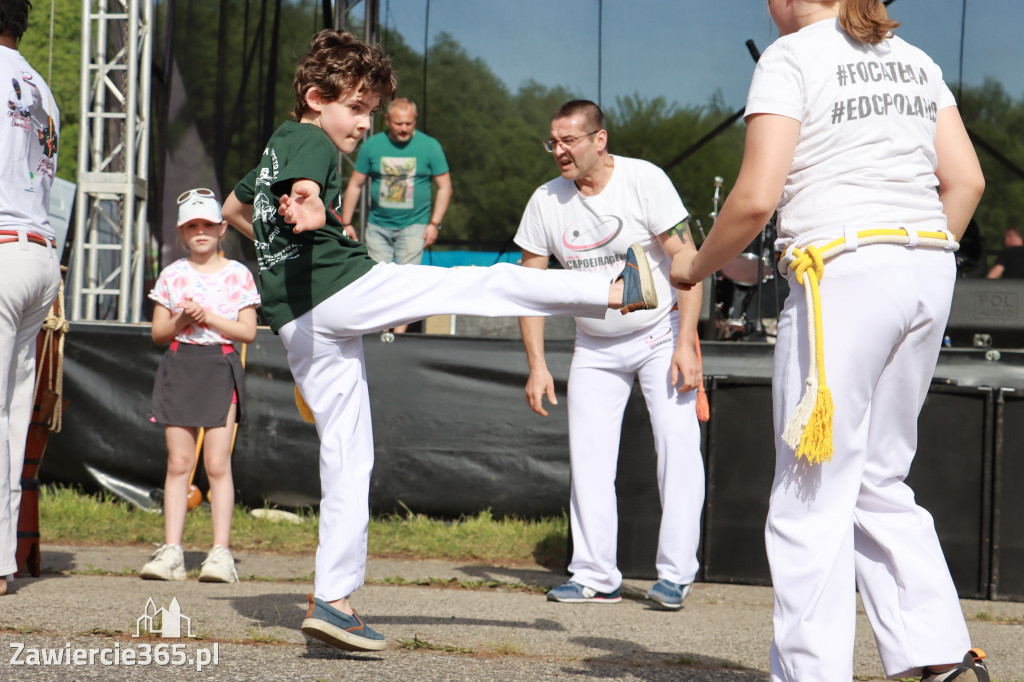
299 271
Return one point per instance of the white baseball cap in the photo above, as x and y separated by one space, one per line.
199 203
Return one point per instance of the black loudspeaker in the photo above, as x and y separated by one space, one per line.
706 324
1008 504
992 309
740 470
951 478
636 489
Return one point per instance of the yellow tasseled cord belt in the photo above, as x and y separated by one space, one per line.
809 429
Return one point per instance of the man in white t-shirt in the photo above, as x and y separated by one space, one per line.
29 263
587 218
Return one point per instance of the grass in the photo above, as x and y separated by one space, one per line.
261 636
69 516
1001 620
416 643
456 583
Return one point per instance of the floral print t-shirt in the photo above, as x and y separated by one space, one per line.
223 293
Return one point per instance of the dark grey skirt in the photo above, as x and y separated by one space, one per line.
194 385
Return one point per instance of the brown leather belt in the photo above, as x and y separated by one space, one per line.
8 236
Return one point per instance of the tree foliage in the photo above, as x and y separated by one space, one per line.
658 132
229 87
992 115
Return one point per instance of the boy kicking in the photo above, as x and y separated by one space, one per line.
321 292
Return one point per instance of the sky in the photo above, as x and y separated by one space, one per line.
684 50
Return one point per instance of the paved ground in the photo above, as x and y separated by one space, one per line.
89 599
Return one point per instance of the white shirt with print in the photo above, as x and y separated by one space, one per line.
29 131
592 234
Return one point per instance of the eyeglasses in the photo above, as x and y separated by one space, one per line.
567 143
199 192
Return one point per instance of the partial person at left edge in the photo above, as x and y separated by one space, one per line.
29 262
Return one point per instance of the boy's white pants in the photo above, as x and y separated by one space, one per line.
852 522
325 354
600 383
29 280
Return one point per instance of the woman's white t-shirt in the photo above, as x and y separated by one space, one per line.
865 156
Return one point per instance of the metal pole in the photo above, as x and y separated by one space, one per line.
78 252
128 145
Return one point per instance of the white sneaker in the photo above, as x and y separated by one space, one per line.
218 567
168 564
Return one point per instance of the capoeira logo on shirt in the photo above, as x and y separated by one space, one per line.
658 338
264 210
588 238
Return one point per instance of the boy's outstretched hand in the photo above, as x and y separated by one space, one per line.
303 207
681 272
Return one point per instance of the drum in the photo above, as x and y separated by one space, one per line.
748 295
747 269
753 265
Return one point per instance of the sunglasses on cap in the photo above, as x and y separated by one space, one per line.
199 192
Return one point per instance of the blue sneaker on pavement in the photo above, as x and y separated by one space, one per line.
328 624
638 291
669 594
574 593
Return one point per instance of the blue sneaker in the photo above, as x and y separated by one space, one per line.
574 593
638 292
669 594
328 624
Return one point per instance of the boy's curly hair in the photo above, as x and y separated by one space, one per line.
340 64
14 17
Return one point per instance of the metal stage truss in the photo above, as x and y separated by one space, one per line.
111 230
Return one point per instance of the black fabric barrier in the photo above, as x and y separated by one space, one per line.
452 430
454 436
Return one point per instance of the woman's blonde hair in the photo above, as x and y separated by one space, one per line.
866 20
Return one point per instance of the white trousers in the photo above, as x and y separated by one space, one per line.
325 354
853 522
600 383
29 279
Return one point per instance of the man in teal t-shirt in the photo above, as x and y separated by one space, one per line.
400 163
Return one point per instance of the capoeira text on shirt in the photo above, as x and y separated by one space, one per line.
576 263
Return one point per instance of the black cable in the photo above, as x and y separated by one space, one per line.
600 46
996 154
426 47
963 33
